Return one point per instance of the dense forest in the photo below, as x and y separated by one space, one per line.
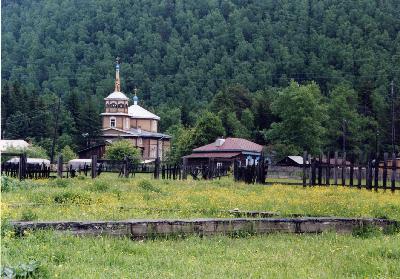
291 75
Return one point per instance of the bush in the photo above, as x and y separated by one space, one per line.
28 215
59 182
68 153
147 186
6 227
99 186
11 184
367 231
121 149
72 198
392 229
24 270
6 184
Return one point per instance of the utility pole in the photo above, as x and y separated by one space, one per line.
55 131
393 118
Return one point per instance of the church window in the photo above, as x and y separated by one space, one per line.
112 122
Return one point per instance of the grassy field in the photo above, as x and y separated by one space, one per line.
112 198
269 256
327 255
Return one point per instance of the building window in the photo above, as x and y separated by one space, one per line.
112 122
139 141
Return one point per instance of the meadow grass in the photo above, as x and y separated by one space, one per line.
326 255
112 198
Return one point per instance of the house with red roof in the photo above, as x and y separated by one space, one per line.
225 152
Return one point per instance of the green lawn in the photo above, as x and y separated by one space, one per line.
327 255
112 198
269 256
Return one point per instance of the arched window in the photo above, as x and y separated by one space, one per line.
113 122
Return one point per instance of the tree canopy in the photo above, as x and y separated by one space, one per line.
226 56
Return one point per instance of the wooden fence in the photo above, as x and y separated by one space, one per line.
252 173
22 169
353 172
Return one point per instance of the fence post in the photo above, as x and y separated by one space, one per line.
127 167
328 169
351 171
184 171
394 166
369 173
94 166
60 166
157 168
384 174
22 166
335 178
320 170
304 169
376 173
313 171
344 169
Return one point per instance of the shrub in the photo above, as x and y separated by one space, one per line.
6 184
10 184
6 227
68 153
24 270
28 215
366 231
147 186
99 186
81 177
121 149
392 229
72 198
59 182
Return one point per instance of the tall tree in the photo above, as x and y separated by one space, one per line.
302 115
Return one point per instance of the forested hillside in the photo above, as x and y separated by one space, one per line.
233 58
